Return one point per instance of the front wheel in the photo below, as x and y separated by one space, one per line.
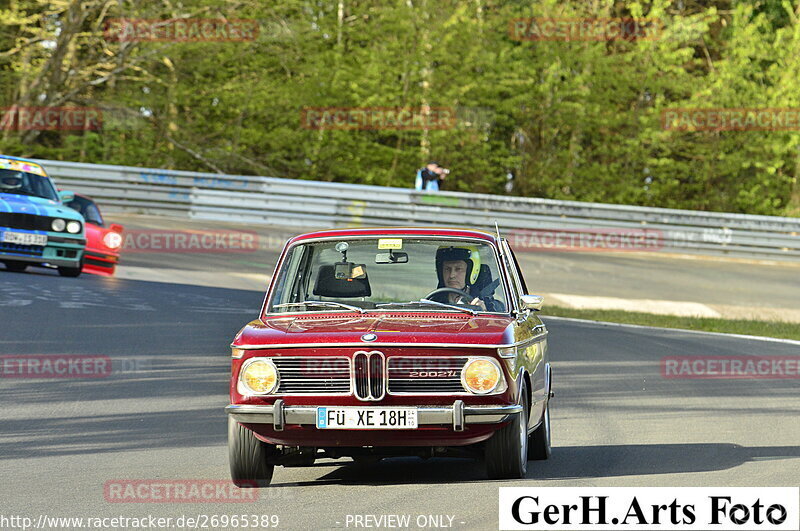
71 271
507 450
248 457
539 446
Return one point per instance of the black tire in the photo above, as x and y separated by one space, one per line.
507 450
248 457
539 444
71 271
16 267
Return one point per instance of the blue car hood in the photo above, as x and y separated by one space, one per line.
26 204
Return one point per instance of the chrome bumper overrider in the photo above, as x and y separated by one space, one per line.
456 415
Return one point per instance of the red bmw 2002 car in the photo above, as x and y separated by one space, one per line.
103 242
379 342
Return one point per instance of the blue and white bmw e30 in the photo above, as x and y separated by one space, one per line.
36 228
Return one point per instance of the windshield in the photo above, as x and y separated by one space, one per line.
24 183
88 210
391 273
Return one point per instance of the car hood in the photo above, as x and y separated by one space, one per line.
38 206
389 329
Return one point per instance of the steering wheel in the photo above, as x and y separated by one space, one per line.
464 294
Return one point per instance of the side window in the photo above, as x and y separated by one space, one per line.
516 288
282 291
92 214
302 274
520 276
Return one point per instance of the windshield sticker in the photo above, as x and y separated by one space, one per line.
390 243
358 272
16 165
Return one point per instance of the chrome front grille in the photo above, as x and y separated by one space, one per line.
313 375
369 375
426 374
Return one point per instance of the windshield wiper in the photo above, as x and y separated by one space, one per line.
430 302
329 304
453 306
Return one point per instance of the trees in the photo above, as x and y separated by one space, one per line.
574 120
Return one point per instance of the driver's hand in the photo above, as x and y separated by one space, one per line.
479 303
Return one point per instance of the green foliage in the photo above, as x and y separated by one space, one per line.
579 120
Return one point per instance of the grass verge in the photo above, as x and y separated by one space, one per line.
707 324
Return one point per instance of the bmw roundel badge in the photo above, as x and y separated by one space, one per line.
369 337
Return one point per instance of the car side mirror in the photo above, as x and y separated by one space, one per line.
532 302
66 196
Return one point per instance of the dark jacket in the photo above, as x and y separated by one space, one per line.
492 304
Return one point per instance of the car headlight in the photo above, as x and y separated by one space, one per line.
112 240
481 376
58 224
73 227
259 376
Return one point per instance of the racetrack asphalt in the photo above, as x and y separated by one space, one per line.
159 414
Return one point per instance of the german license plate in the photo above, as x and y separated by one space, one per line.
24 238
366 418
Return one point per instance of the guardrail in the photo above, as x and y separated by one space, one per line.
530 223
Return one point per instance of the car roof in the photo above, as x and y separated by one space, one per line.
27 161
397 231
21 159
18 158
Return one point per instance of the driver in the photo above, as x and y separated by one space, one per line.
11 182
458 269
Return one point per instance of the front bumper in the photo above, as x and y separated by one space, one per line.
99 262
38 260
60 250
457 415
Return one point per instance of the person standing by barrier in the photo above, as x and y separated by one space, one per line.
430 177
